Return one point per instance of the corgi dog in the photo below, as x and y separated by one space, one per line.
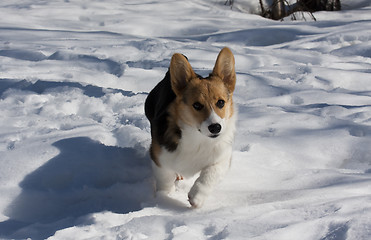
192 125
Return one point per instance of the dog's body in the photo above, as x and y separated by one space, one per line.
192 125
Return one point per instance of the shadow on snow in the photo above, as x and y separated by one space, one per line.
86 61
86 177
41 86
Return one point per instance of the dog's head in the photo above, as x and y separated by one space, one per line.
204 103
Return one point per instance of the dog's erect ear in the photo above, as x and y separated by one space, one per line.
224 68
181 73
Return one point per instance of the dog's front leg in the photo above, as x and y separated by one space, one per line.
164 179
205 183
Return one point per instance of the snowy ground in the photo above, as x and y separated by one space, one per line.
74 139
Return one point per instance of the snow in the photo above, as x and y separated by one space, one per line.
74 75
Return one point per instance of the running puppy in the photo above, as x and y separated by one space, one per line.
192 125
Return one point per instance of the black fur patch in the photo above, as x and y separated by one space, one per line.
156 110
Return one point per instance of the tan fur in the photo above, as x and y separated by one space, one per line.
190 89
181 72
224 68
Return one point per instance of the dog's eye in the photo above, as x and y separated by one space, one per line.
220 103
198 106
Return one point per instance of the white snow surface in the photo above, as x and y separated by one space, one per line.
74 140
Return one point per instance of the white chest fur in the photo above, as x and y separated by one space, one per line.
197 151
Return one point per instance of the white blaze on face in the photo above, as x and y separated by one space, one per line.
213 126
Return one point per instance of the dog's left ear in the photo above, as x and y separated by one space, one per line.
224 68
181 73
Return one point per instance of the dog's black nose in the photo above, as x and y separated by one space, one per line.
215 128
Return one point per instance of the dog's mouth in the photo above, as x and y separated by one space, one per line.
214 136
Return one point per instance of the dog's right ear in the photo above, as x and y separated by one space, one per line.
181 73
224 68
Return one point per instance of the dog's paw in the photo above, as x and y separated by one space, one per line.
196 197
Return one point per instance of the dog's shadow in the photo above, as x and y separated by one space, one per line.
85 177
